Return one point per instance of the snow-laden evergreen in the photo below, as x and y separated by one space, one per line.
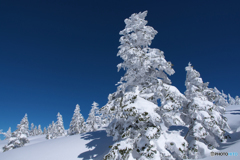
231 100
35 131
56 129
221 98
7 134
51 131
31 132
94 119
206 123
45 130
237 100
19 137
39 130
77 124
60 130
139 125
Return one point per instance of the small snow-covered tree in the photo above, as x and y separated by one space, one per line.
237 100
206 123
39 130
221 98
35 131
138 124
7 134
52 131
32 130
19 137
231 100
60 131
77 124
25 125
45 130
49 132
93 121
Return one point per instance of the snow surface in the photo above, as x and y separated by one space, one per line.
77 147
94 145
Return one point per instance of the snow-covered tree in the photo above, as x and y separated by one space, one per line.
25 125
32 130
35 131
221 98
206 123
60 131
19 137
231 100
45 130
51 131
237 100
94 120
77 124
138 124
48 134
39 130
7 134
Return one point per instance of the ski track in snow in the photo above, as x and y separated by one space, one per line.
94 145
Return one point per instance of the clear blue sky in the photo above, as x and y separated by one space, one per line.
56 54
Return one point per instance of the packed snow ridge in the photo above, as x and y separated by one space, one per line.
133 125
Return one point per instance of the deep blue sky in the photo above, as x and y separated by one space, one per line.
56 54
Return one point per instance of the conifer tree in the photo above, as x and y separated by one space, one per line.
32 130
7 134
45 130
206 123
40 132
221 98
93 121
60 130
35 131
49 132
231 100
19 137
77 124
25 125
138 124
52 131
237 100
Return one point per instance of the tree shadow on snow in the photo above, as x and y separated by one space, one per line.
100 142
232 139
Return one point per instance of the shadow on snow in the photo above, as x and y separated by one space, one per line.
100 144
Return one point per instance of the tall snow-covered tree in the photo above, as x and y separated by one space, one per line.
19 137
60 130
231 100
138 124
77 124
206 123
94 120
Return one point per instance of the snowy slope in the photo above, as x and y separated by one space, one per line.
94 145
76 147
